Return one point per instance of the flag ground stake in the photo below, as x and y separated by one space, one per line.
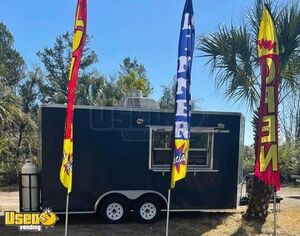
67 214
168 212
275 211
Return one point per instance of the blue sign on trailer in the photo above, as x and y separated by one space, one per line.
122 161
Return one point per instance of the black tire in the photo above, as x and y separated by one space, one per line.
147 209
114 210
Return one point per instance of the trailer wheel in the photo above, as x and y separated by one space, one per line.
147 210
114 210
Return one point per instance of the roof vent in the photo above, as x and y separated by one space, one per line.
134 94
135 99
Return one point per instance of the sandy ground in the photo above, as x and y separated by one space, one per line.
9 199
207 224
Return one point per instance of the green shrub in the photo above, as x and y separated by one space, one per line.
249 159
289 159
9 165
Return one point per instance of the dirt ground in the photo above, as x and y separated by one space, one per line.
207 224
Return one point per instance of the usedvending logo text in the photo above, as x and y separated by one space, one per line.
31 221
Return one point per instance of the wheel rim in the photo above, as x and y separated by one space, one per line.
148 211
114 211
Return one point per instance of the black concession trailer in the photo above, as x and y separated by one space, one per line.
122 161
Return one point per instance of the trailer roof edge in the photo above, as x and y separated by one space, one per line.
139 109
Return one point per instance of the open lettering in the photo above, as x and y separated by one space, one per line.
268 127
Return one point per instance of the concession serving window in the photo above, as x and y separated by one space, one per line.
200 155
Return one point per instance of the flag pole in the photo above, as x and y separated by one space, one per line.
168 212
67 214
275 212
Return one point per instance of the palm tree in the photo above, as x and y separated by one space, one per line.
9 107
231 53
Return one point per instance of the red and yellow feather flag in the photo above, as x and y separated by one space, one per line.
77 48
266 164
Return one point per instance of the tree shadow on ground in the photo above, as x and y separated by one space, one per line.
249 228
9 188
181 223
294 197
195 223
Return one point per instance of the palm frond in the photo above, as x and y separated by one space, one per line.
289 32
229 54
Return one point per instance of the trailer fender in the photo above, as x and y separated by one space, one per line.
130 194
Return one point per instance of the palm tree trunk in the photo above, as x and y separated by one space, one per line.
260 192
260 195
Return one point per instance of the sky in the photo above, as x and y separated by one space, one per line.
145 29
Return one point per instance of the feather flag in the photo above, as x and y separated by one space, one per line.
266 164
77 48
182 124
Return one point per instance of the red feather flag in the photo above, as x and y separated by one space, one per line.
77 48
266 164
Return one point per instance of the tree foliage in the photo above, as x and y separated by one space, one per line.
167 100
29 90
93 88
22 92
8 105
232 56
289 153
249 158
18 134
133 76
290 118
12 65
18 95
56 62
